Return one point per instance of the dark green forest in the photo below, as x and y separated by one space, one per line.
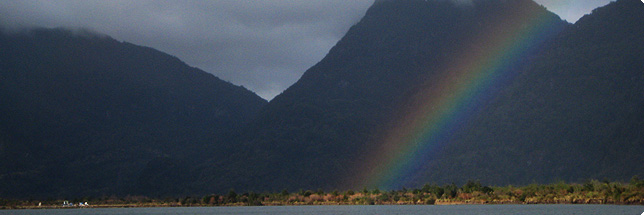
85 114
82 114
574 113
570 113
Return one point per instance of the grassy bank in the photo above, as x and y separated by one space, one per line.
590 192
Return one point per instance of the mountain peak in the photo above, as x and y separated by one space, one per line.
382 1
617 11
347 101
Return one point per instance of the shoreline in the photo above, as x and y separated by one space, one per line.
269 204
472 193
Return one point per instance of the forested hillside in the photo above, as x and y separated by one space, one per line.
84 114
432 91
575 113
417 92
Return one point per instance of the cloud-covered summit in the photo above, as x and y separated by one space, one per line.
264 45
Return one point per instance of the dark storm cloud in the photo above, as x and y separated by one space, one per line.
264 45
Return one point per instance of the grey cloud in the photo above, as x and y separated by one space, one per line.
264 45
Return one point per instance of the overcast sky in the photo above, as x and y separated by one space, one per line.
264 45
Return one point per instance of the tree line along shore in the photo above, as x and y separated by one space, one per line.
473 192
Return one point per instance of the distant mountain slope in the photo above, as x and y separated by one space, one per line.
416 92
327 130
436 92
84 114
574 114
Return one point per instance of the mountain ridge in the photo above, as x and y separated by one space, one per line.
326 130
569 107
417 92
108 108
324 121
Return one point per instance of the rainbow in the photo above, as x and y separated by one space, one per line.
447 102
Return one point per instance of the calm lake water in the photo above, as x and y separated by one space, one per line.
412 209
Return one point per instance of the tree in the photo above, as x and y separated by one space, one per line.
472 186
232 196
636 182
350 192
376 191
487 190
451 190
284 192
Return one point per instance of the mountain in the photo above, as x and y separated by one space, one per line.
417 92
574 114
85 115
440 92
